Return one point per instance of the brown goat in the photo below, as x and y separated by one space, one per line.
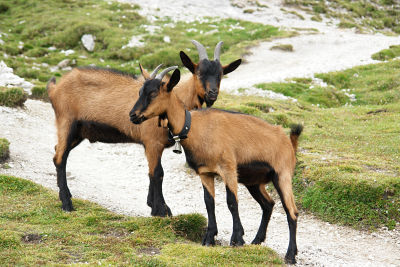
94 103
235 146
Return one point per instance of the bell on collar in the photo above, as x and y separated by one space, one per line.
177 147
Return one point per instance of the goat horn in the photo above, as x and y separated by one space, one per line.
202 51
217 51
162 74
153 74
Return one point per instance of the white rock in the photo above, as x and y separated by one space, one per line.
9 79
167 39
67 52
64 63
88 41
135 41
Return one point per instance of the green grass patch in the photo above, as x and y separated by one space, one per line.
12 97
283 47
392 52
35 231
372 84
34 44
4 149
376 15
305 92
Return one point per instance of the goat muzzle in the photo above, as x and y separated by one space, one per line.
137 119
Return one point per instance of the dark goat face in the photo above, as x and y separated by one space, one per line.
208 73
153 98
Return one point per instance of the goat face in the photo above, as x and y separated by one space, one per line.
208 73
153 98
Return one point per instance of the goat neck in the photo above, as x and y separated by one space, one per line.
186 92
175 114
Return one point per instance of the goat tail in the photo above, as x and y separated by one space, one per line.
51 84
295 131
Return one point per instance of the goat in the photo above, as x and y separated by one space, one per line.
237 147
81 96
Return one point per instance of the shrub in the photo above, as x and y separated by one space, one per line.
4 149
12 97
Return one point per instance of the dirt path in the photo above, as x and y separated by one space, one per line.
115 176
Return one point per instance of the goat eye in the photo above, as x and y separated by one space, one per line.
153 95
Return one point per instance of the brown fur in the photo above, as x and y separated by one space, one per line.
222 143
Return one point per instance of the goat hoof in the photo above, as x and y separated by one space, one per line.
208 240
237 240
67 206
257 240
161 211
290 259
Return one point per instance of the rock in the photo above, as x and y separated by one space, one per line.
167 39
64 63
88 42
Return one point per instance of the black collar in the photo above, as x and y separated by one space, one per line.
185 130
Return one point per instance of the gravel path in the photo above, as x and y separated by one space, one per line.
115 176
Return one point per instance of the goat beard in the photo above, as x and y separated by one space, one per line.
209 103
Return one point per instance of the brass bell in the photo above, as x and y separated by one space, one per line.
177 147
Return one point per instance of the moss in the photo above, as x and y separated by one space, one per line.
39 93
4 8
4 149
392 52
283 47
12 97
191 226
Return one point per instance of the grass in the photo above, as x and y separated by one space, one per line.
4 149
283 47
349 159
36 232
392 52
33 45
371 15
12 97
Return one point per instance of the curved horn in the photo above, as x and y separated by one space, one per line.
217 51
162 74
153 74
202 51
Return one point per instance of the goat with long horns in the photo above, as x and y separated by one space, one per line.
93 103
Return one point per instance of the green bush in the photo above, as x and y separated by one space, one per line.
4 149
12 97
40 93
190 226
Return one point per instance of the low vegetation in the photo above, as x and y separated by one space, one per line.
36 232
4 149
349 158
12 97
392 52
34 46
375 15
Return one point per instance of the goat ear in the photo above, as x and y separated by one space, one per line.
176 76
145 74
187 62
232 66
